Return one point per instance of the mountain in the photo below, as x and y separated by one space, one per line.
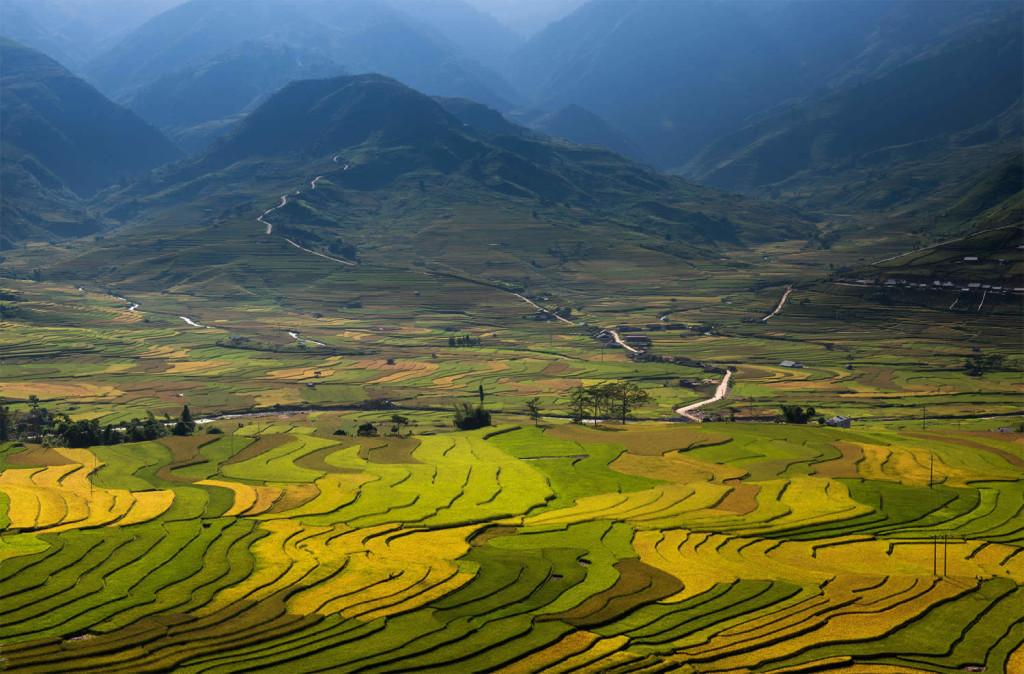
925 130
476 34
387 131
73 32
526 18
216 90
578 125
480 116
62 140
360 35
674 76
400 181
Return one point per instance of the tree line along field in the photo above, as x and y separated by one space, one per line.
711 548
92 355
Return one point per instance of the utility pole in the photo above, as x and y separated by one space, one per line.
935 555
931 470
923 410
945 552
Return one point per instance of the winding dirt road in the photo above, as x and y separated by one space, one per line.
618 340
270 227
720 392
782 303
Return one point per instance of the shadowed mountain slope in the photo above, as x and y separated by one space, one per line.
61 141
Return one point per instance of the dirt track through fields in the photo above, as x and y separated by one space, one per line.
720 392
782 303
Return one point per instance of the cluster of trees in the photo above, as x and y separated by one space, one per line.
469 417
612 399
41 425
463 340
794 414
979 364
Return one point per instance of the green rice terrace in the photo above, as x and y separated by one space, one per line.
721 547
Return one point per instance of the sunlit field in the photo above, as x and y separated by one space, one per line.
720 547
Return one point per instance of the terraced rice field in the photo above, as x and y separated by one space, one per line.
715 548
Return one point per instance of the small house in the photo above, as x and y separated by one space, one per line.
790 363
838 422
638 340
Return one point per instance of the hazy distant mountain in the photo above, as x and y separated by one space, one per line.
478 35
578 125
975 77
74 31
930 130
212 92
527 18
61 139
361 35
674 76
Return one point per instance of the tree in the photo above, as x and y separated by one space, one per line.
533 409
399 420
366 430
6 423
481 393
468 417
627 396
185 425
577 404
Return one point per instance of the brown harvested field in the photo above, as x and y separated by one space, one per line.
742 499
37 455
395 450
845 465
185 447
638 584
879 378
264 444
294 495
654 442
554 369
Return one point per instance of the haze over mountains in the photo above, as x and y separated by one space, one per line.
902 108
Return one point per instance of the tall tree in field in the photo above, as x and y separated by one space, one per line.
627 396
533 409
578 400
